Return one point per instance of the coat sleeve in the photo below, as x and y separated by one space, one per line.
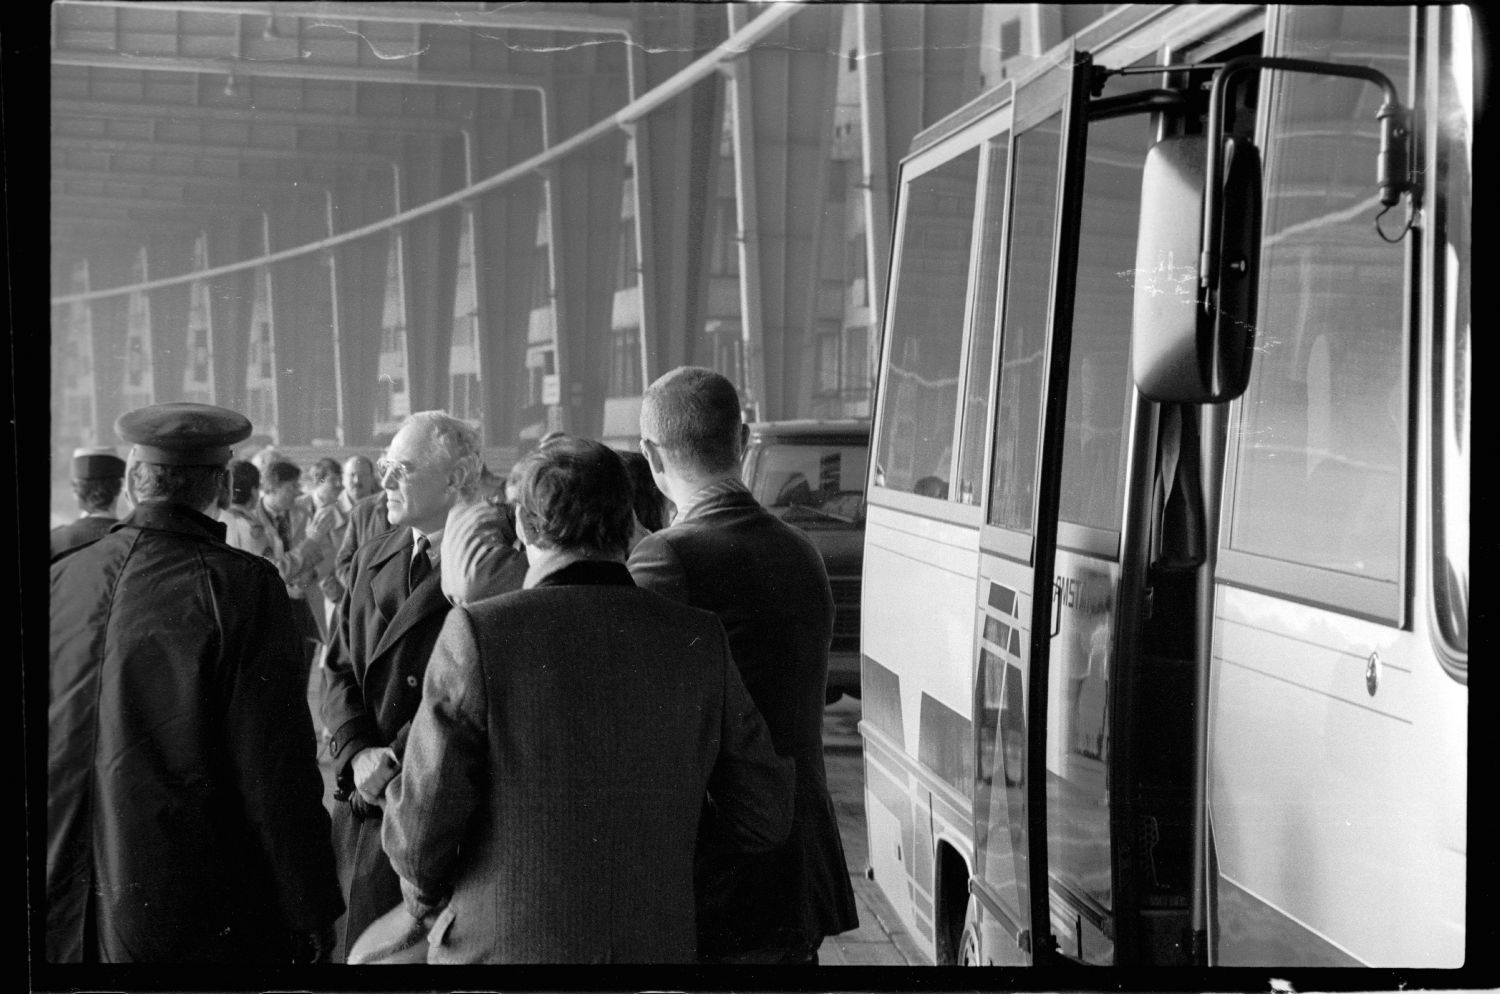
751 790
478 557
655 566
273 753
443 772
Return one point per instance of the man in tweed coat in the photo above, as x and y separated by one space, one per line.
571 739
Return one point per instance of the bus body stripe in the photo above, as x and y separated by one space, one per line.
880 699
1251 932
945 744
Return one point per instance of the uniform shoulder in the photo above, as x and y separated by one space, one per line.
239 559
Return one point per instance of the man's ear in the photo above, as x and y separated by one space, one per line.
744 438
653 458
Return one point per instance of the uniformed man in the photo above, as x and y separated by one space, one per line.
184 804
97 476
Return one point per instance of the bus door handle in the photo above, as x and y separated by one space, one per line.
1057 595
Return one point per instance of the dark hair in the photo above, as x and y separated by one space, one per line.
574 494
645 496
694 413
280 472
194 486
243 479
325 468
98 494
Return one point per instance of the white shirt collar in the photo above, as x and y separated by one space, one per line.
434 542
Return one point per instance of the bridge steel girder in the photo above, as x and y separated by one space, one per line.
359 277
231 301
505 226
115 110
431 169
586 197
918 64
782 94
677 156
109 320
302 327
168 256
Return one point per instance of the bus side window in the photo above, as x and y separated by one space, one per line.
1322 432
1099 367
1023 343
920 396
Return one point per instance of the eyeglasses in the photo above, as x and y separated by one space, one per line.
386 467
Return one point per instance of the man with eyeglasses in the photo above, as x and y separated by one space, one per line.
387 624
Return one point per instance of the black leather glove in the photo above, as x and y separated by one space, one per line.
363 808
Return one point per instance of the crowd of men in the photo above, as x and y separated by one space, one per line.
564 724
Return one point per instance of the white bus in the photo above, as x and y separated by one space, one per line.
1165 619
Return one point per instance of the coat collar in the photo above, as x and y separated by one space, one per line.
173 518
590 573
395 541
728 492
394 552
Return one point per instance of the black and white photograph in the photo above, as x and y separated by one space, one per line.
748 496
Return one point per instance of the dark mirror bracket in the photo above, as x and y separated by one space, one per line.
1393 172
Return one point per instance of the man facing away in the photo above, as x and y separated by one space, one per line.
386 626
571 739
97 475
184 813
767 584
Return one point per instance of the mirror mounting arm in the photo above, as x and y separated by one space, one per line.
1393 170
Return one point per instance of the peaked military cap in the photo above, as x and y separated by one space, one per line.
97 463
183 434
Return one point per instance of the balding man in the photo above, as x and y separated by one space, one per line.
386 626
767 584
185 821
359 482
97 476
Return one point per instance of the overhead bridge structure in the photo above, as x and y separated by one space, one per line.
328 215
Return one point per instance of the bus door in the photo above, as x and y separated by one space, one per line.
1014 612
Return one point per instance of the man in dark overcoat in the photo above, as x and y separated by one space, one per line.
766 582
367 520
97 475
184 805
387 624
568 737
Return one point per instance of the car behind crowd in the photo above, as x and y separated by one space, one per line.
811 474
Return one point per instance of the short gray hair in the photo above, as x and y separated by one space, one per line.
456 443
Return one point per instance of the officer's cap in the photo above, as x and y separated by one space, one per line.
97 463
183 434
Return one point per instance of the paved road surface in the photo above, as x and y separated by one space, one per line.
881 939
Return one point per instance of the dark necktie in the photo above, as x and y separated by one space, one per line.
284 529
420 564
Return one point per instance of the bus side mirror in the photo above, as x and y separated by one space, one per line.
1191 343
